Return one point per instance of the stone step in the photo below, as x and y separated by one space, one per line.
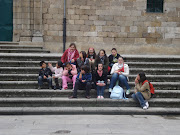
55 57
83 102
35 70
30 56
151 58
43 93
8 43
34 85
33 77
24 51
13 63
20 47
88 110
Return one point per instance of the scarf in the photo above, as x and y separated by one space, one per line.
102 59
100 73
70 54
121 67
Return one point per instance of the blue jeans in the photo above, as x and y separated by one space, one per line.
100 90
123 81
138 97
41 80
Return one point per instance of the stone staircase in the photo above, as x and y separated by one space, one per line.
19 94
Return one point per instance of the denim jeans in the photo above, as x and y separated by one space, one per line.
41 80
80 85
138 97
100 90
123 81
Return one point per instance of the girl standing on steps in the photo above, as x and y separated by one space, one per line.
142 90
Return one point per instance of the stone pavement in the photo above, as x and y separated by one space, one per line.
89 125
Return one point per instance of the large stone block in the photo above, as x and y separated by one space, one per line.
108 40
90 34
52 33
93 17
53 10
81 22
74 17
84 17
151 40
96 22
75 33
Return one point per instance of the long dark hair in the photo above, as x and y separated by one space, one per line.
103 51
94 55
84 55
142 77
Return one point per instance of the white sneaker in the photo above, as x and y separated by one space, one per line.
98 97
110 89
102 97
145 107
128 92
147 104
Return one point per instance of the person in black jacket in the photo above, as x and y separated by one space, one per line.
100 80
45 75
113 58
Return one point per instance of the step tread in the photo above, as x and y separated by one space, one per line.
69 90
32 82
138 63
144 69
24 50
168 76
31 55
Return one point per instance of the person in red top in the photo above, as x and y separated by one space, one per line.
70 55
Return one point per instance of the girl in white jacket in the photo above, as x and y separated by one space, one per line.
57 77
120 71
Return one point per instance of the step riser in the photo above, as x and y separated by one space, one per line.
20 64
19 47
81 94
131 79
84 112
35 86
75 103
134 72
37 58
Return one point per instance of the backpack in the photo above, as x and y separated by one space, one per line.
117 93
150 86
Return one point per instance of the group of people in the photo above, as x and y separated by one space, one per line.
84 68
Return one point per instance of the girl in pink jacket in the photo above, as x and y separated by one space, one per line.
69 75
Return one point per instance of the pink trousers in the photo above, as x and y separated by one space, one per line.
66 79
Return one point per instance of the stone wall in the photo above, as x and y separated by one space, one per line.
123 24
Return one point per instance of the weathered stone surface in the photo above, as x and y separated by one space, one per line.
124 21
